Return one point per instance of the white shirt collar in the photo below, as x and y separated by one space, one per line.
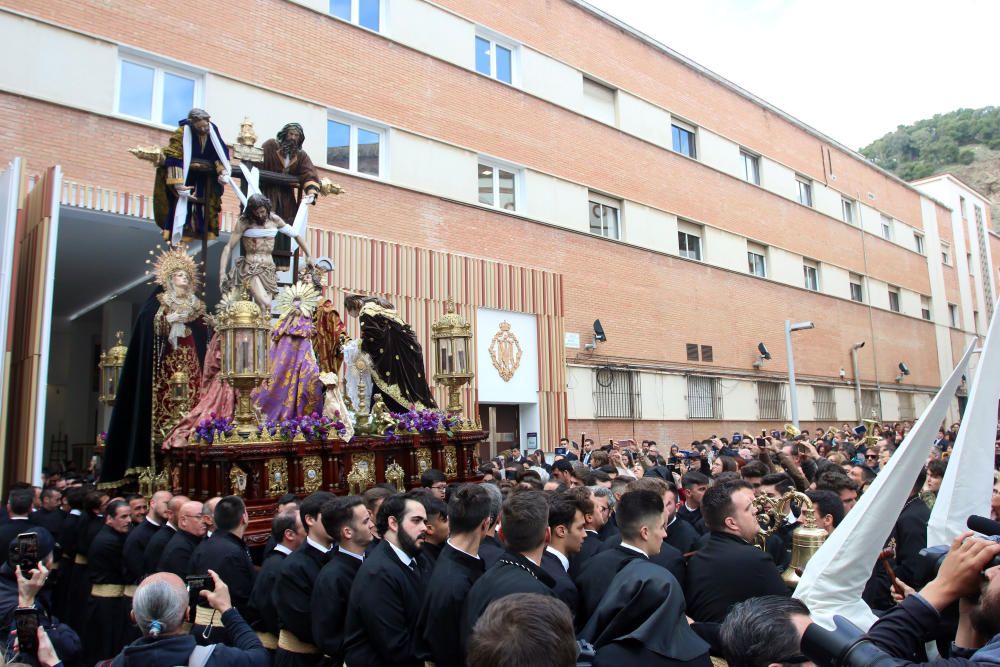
590 530
316 545
152 522
688 507
282 548
402 555
558 554
452 545
672 520
76 513
360 557
634 548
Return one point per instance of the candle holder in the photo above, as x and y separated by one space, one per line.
246 344
110 367
452 339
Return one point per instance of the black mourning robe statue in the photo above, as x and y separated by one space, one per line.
440 619
330 598
129 444
397 358
640 621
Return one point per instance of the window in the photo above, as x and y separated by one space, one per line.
906 410
810 272
925 307
616 394
886 228
599 101
156 92
354 147
918 242
605 216
871 406
757 260
365 13
953 314
847 210
823 403
751 167
707 354
770 400
857 288
968 262
961 207
684 139
494 59
704 396
497 186
689 240
975 321
692 351
894 299
945 253
805 190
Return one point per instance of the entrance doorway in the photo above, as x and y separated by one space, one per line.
502 423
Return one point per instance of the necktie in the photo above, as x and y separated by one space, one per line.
413 565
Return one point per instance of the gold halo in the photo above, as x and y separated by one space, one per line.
170 262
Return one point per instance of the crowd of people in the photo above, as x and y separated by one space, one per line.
612 554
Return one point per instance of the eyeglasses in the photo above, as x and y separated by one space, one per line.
440 487
871 456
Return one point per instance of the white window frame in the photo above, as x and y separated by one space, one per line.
597 199
159 67
804 182
515 56
518 183
919 243
925 307
750 158
859 280
807 266
589 101
893 290
755 250
848 210
356 123
945 253
687 127
887 227
695 230
356 15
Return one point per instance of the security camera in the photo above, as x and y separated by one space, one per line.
764 354
599 332
903 368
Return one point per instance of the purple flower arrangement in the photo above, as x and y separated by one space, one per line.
314 427
421 421
208 429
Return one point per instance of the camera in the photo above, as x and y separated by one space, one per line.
989 530
845 646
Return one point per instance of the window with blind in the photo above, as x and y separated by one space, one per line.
704 397
871 406
616 394
824 404
770 400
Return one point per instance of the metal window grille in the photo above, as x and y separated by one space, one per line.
823 403
704 397
906 410
771 400
871 405
616 394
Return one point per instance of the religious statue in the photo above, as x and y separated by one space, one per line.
397 358
295 389
216 397
187 194
334 406
168 342
255 270
284 156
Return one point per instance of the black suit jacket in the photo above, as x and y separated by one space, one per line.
490 551
52 521
228 556
330 597
382 612
176 556
609 530
154 550
591 545
565 589
292 594
440 621
104 558
725 571
595 577
261 612
681 535
693 517
135 549
12 528
669 557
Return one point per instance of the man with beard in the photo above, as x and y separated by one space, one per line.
387 592
255 270
285 156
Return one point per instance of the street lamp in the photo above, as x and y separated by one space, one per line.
789 328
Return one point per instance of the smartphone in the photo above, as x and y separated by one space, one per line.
27 552
560 451
761 442
737 438
27 630
196 583
776 434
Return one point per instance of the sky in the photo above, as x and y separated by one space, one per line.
852 69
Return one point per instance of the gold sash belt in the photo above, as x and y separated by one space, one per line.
268 640
207 616
130 590
107 590
291 643
80 559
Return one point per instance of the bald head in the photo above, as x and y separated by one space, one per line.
159 506
190 518
174 508
208 512
160 597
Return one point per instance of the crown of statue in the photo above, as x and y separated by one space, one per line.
170 262
505 326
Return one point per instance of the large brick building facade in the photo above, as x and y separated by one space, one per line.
605 175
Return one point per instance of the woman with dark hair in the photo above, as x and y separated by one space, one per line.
724 464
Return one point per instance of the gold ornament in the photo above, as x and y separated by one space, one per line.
505 352
302 297
170 262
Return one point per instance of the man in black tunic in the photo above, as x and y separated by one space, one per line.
457 569
176 556
387 592
641 521
695 486
225 554
287 534
158 542
78 592
107 613
729 569
50 515
140 536
490 549
566 520
349 524
681 535
292 593
524 526
71 529
593 522
668 556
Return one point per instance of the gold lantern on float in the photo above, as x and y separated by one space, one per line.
110 368
246 341
452 339
807 538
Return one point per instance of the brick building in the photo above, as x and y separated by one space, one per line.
491 152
